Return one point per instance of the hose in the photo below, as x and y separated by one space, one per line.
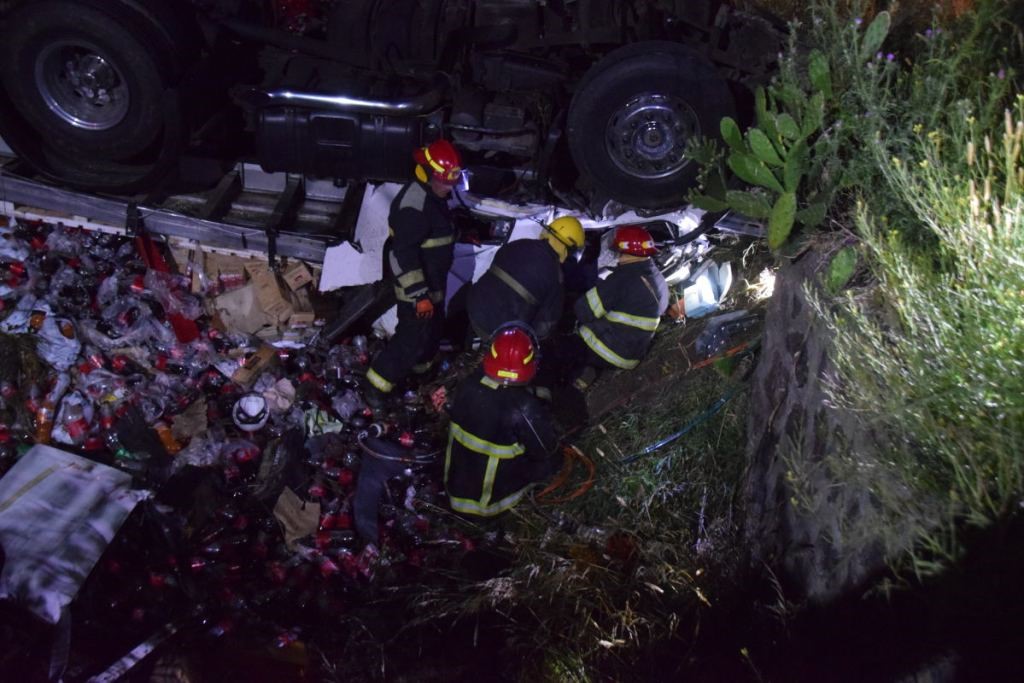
571 455
416 458
707 414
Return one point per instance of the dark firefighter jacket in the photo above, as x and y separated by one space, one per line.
421 247
619 315
501 440
523 283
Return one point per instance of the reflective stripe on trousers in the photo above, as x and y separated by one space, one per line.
494 453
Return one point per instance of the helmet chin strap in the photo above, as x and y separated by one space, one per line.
556 244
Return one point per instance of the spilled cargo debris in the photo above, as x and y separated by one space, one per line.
270 495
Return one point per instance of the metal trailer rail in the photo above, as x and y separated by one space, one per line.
248 211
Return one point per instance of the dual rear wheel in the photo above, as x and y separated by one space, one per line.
632 116
92 88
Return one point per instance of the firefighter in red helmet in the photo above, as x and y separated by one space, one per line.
619 316
502 438
419 253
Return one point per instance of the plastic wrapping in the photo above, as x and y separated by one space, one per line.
58 512
172 293
58 342
74 419
347 403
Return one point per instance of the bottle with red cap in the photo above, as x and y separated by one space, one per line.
13 273
74 420
124 365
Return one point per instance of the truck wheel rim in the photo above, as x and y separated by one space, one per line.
81 87
647 137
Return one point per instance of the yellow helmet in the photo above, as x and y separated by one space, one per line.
563 234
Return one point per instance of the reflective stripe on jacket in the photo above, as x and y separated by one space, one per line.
500 441
523 283
619 316
421 246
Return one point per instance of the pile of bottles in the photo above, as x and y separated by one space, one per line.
117 383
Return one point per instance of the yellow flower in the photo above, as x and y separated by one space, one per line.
923 163
918 128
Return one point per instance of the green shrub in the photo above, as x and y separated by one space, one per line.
803 146
932 356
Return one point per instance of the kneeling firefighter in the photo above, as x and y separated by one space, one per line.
619 316
524 281
502 437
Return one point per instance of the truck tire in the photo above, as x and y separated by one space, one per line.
632 114
87 87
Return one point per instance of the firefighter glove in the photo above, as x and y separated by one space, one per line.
424 308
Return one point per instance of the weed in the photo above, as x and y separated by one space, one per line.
932 359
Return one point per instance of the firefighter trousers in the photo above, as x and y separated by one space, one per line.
412 349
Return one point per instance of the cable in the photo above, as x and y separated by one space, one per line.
712 409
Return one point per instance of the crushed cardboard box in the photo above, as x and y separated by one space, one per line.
228 270
240 311
270 297
302 315
258 301
297 276
253 366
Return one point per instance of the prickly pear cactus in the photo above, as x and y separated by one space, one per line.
788 156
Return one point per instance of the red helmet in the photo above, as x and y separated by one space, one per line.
441 160
635 240
512 358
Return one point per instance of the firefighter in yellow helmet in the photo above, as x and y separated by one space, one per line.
419 252
524 281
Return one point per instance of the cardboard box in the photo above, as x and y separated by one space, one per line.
190 262
239 311
228 270
297 276
255 267
272 301
254 365
302 311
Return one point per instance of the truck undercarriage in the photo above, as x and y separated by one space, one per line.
580 101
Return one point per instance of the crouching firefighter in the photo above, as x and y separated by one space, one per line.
619 316
502 438
524 281
420 251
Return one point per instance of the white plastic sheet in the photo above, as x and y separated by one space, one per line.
345 265
58 513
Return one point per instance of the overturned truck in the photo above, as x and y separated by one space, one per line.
578 101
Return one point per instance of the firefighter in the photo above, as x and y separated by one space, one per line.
524 281
619 316
419 252
502 438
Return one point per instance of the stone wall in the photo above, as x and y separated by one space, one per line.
816 531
